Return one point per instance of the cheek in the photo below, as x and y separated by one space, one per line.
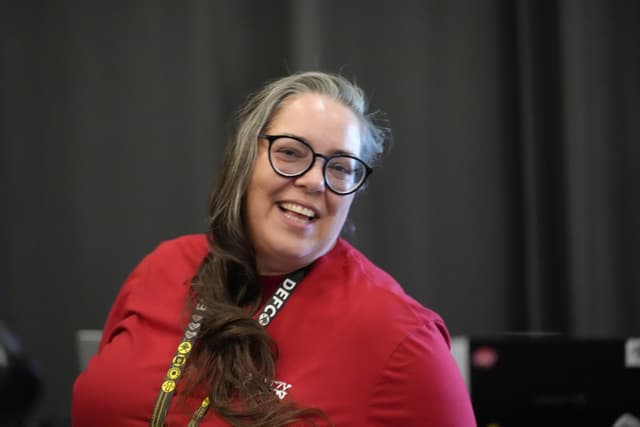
340 205
261 178
263 186
255 197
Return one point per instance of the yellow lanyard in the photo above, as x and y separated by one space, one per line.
179 360
176 368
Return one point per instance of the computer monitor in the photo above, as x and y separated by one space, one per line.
550 381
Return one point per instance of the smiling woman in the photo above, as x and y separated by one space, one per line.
293 220
285 322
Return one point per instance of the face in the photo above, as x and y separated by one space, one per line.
293 221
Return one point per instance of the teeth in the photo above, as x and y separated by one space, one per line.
298 209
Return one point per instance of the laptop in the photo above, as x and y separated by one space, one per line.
550 381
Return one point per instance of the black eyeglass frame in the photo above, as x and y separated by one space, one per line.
367 169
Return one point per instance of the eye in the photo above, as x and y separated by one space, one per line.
341 167
289 150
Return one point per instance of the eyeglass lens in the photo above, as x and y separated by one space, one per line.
291 157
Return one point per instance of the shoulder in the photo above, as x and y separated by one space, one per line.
406 345
172 261
187 247
381 299
179 253
420 384
372 306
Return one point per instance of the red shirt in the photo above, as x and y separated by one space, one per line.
351 342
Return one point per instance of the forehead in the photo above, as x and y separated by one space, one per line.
327 124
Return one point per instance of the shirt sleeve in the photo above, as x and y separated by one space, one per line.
421 384
120 309
90 386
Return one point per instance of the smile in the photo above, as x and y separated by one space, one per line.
297 212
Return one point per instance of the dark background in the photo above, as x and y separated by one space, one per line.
507 203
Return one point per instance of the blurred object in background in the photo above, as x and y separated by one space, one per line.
627 420
549 379
20 383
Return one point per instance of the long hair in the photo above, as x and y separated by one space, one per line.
234 358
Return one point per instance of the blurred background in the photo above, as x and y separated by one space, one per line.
508 201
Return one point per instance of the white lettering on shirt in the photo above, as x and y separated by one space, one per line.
280 388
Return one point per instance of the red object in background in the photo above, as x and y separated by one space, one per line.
484 357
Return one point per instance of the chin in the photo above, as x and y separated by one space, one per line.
294 257
301 255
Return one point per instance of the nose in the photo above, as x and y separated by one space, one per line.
313 179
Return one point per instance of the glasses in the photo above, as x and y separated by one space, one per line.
292 157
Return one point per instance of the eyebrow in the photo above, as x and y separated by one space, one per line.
332 153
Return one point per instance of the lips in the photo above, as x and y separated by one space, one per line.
297 211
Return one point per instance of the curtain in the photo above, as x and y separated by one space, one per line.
507 201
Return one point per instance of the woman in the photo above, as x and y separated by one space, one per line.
286 323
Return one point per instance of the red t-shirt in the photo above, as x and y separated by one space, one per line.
351 342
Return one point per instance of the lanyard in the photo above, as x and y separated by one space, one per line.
270 310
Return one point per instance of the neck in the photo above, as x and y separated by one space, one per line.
267 270
282 265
